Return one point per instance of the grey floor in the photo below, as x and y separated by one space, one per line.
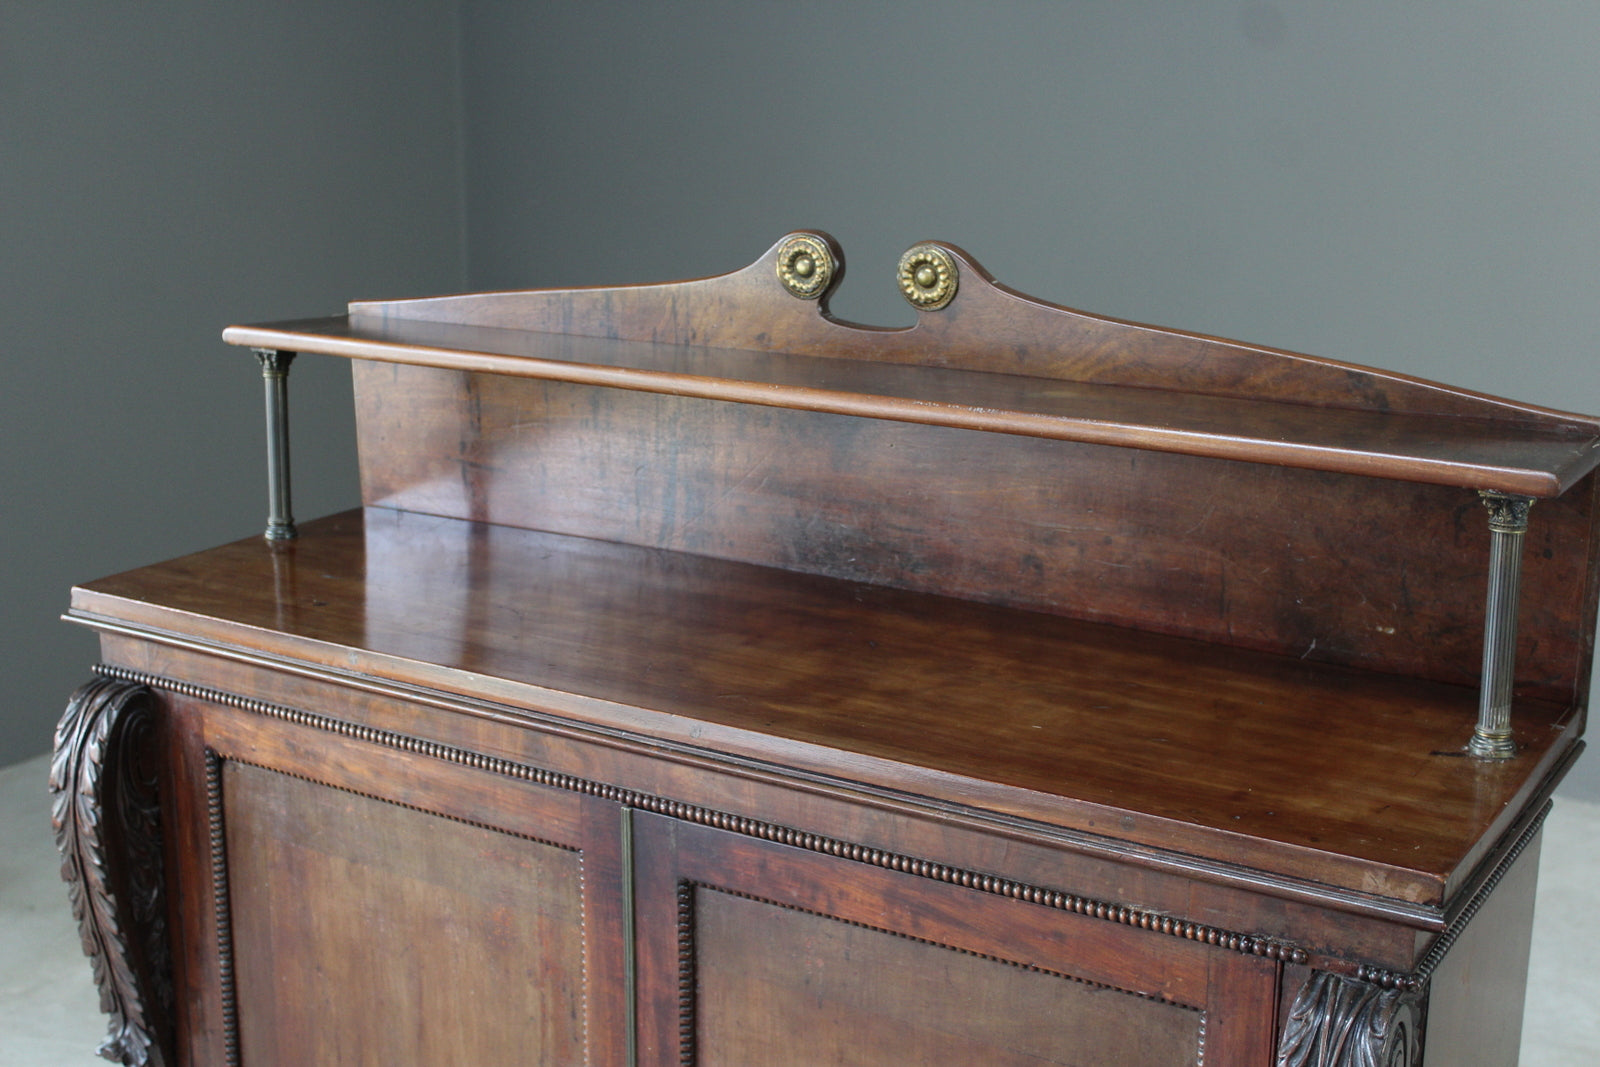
49 1013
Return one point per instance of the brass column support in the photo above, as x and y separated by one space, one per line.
275 376
1508 521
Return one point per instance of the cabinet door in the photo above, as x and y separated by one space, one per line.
371 905
752 952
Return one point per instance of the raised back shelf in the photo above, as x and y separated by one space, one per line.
973 364
1001 449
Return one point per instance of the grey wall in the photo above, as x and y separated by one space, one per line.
1414 185
166 169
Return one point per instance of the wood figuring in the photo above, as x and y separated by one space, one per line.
708 680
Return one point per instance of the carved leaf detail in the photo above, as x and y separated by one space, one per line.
1342 1022
106 817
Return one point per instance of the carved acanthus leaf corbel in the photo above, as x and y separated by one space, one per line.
106 816
1343 1022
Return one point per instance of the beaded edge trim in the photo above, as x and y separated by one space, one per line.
1122 914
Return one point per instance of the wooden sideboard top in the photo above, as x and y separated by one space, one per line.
1238 758
719 592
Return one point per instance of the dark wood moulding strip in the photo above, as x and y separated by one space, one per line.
1471 453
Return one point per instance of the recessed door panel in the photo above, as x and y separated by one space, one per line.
366 932
776 984
754 952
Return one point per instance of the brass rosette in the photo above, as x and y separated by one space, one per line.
805 266
928 277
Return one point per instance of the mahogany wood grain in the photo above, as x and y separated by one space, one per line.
874 950
776 984
987 327
375 906
1537 459
1377 574
711 679
370 933
1380 932
1236 756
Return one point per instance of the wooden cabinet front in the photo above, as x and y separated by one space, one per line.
756 952
367 905
347 893
364 904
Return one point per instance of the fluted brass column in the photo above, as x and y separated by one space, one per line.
1508 521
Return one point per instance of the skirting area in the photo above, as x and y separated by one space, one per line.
49 1016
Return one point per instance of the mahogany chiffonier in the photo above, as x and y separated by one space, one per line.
706 680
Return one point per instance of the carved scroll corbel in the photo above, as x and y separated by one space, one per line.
106 817
1343 1022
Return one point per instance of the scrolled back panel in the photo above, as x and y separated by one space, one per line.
1335 568
966 320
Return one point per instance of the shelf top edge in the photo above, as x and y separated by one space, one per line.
1538 458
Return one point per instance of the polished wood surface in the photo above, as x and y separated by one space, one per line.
988 327
336 901
506 944
1540 459
993 360
1240 757
1382 575
707 680
657 775
763 954
862 995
